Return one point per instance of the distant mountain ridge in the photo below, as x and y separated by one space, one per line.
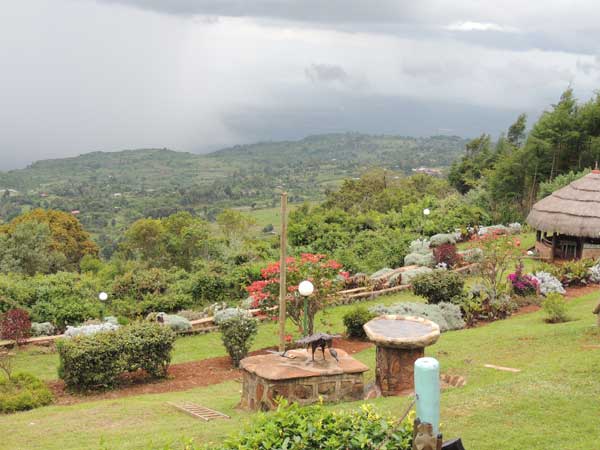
118 187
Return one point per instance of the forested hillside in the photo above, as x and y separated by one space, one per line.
508 176
110 190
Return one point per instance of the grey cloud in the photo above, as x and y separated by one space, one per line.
326 73
546 25
589 67
318 11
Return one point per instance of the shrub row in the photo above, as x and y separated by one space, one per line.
97 361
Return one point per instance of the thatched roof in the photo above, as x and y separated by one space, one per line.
573 210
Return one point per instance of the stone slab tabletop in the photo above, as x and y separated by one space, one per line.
399 331
275 367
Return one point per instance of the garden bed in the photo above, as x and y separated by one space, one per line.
181 377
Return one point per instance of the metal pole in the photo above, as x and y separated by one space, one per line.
282 267
305 318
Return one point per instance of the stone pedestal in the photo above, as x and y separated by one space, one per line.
394 373
266 377
400 341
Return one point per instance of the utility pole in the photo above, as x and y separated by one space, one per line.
282 272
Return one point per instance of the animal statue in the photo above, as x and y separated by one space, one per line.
322 340
423 438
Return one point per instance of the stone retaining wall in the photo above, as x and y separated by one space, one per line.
260 393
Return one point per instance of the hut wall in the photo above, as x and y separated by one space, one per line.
545 251
592 253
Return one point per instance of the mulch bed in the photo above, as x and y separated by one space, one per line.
182 377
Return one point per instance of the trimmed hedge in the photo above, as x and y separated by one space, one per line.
22 392
97 361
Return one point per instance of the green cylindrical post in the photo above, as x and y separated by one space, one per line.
305 316
427 390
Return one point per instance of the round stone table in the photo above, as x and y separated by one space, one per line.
400 341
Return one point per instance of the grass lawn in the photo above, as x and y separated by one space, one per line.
551 404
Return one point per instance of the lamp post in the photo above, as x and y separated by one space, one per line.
426 213
305 288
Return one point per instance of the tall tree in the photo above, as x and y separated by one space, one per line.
516 132
67 235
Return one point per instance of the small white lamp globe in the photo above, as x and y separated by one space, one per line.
103 296
426 211
306 288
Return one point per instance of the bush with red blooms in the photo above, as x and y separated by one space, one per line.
523 284
325 274
15 325
446 254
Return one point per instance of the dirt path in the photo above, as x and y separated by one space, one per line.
182 377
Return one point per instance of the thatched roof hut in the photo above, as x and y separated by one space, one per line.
571 216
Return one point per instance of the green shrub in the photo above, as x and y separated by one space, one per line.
63 311
439 286
97 361
22 392
576 272
354 321
237 333
555 308
293 427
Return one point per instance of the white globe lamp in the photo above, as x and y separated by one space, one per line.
103 296
306 288
426 211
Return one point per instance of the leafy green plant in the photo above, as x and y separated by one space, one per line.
555 308
574 273
237 334
439 286
63 311
294 427
354 321
97 361
22 392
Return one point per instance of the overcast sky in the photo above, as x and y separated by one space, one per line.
197 75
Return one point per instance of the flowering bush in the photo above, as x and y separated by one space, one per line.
523 284
549 283
325 274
